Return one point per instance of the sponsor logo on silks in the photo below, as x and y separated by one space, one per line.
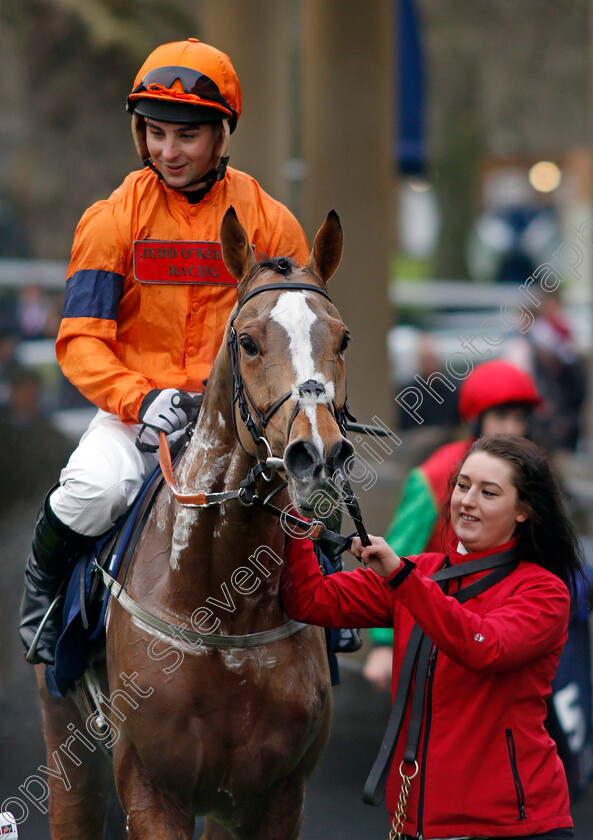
165 262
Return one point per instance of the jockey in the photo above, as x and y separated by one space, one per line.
146 304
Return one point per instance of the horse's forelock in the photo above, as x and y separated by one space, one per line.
279 265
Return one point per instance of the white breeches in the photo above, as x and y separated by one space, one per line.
103 476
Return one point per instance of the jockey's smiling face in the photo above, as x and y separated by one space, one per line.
183 154
484 506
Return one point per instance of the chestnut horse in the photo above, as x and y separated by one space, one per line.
222 707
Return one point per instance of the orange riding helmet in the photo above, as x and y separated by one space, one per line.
496 383
185 82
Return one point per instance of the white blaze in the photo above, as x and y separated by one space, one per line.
293 314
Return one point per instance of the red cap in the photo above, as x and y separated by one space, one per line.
495 383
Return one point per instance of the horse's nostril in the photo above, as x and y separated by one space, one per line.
302 460
340 457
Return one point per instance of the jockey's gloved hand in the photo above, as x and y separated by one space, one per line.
168 410
147 439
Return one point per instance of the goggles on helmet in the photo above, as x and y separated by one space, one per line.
194 83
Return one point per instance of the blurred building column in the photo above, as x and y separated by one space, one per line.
347 99
256 35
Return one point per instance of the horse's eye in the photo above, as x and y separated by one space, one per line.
344 342
248 345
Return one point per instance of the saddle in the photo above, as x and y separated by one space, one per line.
85 602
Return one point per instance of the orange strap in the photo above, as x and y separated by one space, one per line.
194 499
314 530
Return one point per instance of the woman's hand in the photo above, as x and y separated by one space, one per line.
378 556
377 668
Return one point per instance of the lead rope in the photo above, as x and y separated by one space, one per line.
401 810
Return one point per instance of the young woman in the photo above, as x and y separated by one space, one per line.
496 398
478 760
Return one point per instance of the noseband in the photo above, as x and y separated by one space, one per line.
243 399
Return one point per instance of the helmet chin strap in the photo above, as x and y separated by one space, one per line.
148 162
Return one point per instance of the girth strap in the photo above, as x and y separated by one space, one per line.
191 637
417 657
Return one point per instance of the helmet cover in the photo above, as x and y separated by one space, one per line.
185 82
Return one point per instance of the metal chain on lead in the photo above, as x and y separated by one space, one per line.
399 818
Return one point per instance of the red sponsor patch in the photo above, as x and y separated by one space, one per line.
158 261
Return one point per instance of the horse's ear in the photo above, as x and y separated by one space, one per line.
327 248
237 253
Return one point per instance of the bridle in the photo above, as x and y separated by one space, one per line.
247 491
243 399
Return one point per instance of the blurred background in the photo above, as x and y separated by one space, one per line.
453 139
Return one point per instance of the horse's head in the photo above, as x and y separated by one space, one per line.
287 344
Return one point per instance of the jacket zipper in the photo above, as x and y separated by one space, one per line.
516 778
427 724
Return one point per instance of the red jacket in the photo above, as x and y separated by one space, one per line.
487 765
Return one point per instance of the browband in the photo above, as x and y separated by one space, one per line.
304 287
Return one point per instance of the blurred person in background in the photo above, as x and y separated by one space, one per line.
36 315
146 304
33 449
9 340
24 407
560 374
444 415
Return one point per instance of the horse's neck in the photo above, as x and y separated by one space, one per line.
212 446
229 553
210 451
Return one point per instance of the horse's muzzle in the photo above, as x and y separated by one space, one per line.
305 463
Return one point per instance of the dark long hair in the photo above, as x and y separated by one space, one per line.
547 536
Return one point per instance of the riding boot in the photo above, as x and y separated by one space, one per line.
54 547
